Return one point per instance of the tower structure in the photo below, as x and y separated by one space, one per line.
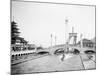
72 35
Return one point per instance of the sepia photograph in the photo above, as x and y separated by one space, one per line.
52 37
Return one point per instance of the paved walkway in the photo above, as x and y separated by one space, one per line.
26 58
53 63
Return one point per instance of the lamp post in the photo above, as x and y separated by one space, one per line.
66 23
81 42
55 40
51 40
66 42
51 44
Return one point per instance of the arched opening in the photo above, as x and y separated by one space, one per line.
89 52
59 51
43 52
12 57
76 51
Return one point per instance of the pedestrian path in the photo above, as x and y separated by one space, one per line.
27 58
53 63
88 63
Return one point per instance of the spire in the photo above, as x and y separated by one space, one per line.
13 18
13 22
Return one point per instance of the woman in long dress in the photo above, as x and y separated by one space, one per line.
63 56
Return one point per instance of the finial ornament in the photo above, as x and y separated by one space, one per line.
13 18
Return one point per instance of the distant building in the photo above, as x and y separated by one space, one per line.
20 40
31 46
94 41
19 46
88 43
23 47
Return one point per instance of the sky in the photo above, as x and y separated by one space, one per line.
37 21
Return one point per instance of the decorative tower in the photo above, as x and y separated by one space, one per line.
14 32
72 35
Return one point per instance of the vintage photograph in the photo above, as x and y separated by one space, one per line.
52 37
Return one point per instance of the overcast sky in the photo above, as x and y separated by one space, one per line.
37 21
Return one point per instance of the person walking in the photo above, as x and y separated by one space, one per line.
63 56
